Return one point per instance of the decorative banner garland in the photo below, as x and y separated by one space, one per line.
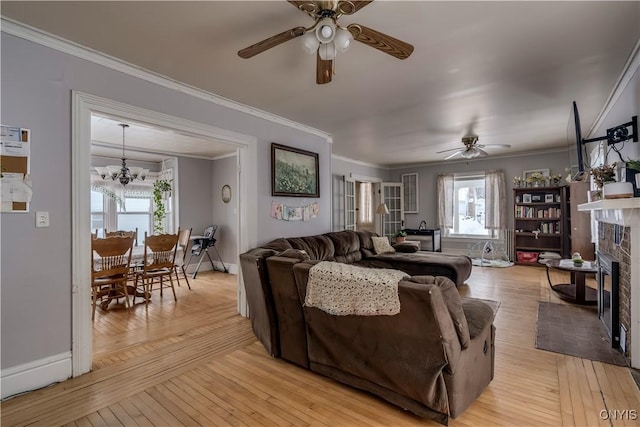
292 213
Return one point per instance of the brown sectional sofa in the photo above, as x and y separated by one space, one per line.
434 358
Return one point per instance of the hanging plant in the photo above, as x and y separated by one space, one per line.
161 190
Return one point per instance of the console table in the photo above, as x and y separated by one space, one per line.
424 236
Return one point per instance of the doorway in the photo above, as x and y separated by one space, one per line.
84 105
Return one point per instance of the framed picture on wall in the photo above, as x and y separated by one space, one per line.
294 172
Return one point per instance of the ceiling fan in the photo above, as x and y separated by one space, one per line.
471 148
326 38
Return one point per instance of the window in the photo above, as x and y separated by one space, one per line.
97 211
410 188
472 205
137 215
116 208
468 207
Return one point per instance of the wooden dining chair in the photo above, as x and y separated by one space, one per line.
179 267
127 233
159 259
110 259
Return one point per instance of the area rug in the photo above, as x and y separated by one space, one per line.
576 331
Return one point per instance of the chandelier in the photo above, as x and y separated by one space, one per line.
122 173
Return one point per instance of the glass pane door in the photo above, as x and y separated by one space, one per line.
393 197
349 204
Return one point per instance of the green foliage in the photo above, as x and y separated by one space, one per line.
401 233
633 164
294 179
160 188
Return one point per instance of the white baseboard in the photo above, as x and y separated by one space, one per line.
35 375
206 266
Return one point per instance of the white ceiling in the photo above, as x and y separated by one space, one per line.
508 70
150 143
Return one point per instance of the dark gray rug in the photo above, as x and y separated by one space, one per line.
575 330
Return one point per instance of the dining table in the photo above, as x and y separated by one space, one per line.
137 258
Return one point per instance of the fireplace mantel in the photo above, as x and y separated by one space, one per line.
615 211
625 212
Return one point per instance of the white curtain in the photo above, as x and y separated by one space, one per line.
495 200
365 208
445 200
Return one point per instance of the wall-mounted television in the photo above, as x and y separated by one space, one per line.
574 137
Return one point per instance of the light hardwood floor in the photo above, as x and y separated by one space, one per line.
196 362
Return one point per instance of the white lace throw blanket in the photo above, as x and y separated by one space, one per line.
344 289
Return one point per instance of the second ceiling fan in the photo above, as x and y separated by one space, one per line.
471 148
326 38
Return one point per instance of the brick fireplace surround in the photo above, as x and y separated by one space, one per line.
624 212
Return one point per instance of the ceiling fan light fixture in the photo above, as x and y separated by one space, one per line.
470 153
326 30
342 40
327 51
310 43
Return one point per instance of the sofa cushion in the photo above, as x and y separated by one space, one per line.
278 245
366 244
318 247
381 245
299 254
454 304
407 246
347 246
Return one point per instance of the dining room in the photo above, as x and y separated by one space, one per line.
149 182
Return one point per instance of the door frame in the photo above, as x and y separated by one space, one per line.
83 105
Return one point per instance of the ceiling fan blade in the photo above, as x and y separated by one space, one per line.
351 7
273 41
324 69
380 41
451 156
451 149
495 145
482 152
309 7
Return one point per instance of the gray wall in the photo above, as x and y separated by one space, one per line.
271 228
194 194
225 172
512 167
36 93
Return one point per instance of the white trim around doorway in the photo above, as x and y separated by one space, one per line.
83 105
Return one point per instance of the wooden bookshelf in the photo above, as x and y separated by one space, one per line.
540 218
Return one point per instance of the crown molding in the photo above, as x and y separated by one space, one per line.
51 41
358 162
225 156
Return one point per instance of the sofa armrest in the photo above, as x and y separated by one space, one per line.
291 322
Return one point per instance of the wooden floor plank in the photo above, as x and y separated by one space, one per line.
196 362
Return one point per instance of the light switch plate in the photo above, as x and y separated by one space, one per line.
42 219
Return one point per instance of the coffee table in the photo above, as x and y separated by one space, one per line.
576 291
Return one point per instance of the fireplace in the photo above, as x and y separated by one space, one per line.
609 297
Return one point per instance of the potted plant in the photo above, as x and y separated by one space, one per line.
633 174
603 174
161 190
536 179
400 235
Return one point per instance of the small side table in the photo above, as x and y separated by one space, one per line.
576 291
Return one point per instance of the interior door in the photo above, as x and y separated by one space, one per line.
349 203
393 196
